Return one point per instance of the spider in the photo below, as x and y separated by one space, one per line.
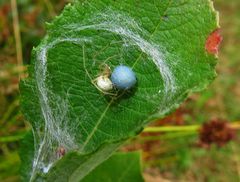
122 78
103 82
61 151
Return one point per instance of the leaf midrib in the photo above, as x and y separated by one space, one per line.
112 100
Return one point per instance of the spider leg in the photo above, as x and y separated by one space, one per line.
93 81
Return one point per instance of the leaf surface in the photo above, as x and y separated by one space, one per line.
164 43
120 167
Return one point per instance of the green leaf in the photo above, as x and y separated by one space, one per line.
74 166
26 153
163 41
119 167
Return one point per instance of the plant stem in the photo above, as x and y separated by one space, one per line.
14 138
50 8
168 136
9 111
172 128
233 125
17 34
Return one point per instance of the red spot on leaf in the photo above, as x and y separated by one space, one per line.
213 42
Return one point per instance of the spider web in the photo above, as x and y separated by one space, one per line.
58 130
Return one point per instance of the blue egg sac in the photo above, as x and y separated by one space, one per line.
123 77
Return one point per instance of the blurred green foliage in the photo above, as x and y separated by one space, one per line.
176 155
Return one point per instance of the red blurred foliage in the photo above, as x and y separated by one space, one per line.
4 24
150 147
31 17
213 42
177 118
216 132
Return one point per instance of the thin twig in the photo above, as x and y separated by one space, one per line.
17 34
156 129
9 111
172 128
50 8
235 125
12 138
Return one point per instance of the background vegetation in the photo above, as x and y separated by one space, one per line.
174 156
